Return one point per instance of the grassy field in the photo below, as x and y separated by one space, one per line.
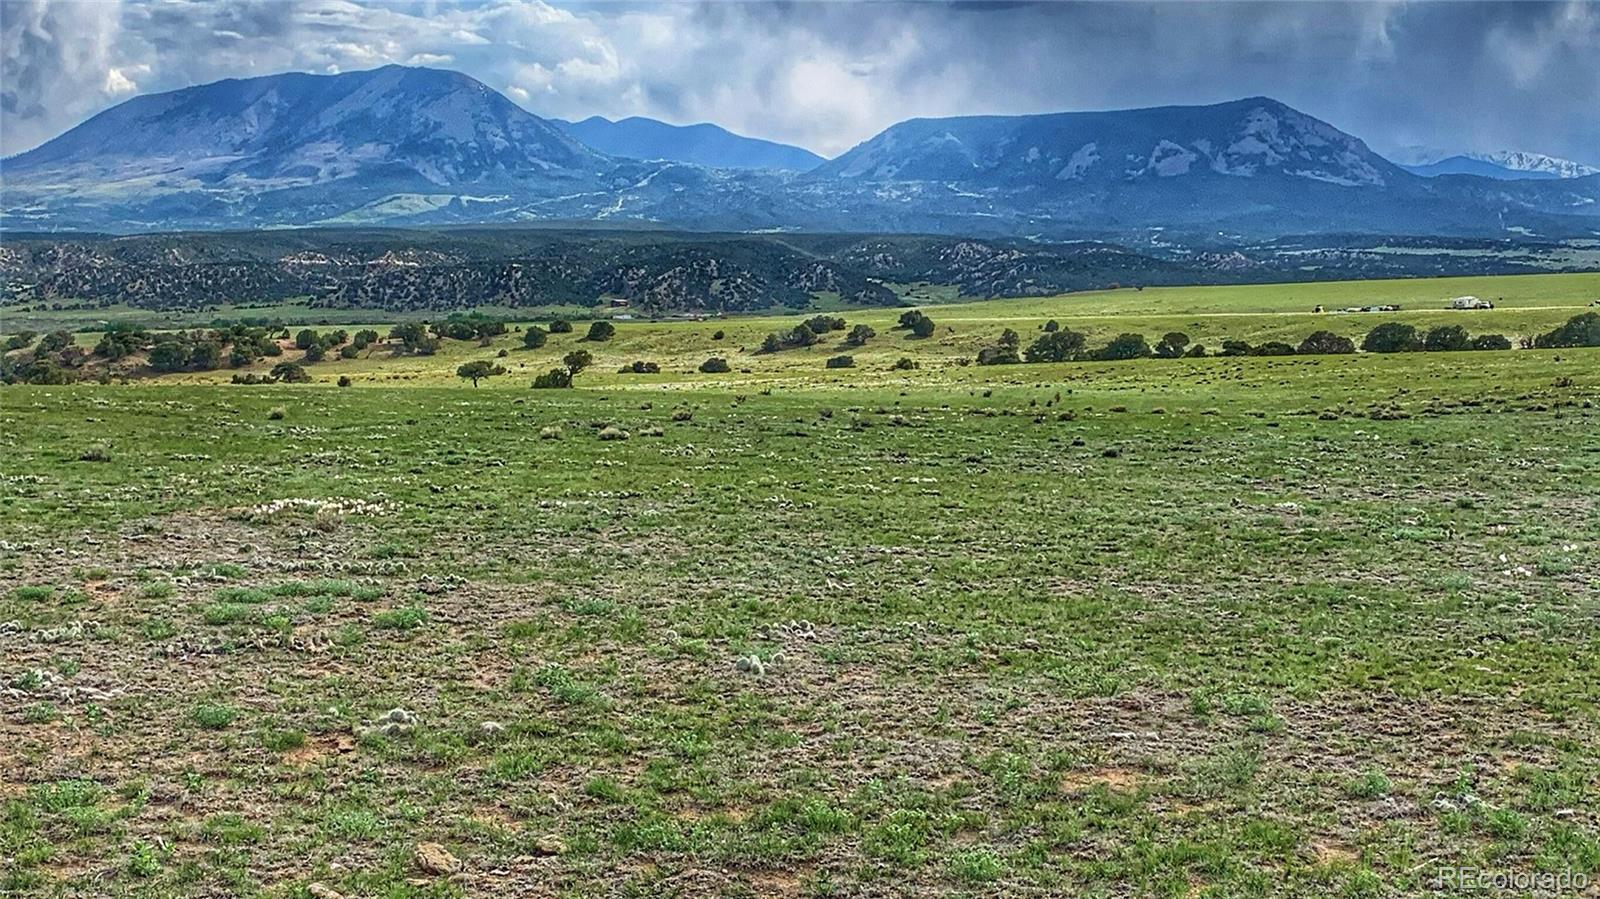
1305 626
1526 305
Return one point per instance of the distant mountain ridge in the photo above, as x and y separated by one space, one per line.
703 144
417 146
1504 165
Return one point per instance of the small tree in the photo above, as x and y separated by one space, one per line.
1235 348
601 331
1446 338
1274 348
1124 346
555 377
1491 342
315 353
1052 326
1004 352
1322 343
916 322
1392 337
1580 330
859 335
477 371
561 326
305 339
534 338
841 362
54 342
715 366
577 361
1171 344
1055 346
290 372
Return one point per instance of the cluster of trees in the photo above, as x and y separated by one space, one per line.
1059 344
807 333
1394 337
1580 330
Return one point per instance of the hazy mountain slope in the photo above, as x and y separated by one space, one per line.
406 146
704 144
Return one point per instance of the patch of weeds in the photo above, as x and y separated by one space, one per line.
604 789
1371 785
144 861
32 592
158 590
406 619
222 613
158 629
976 866
282 739
213 717
566 687
231 830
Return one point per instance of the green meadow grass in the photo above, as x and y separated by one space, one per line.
1307 626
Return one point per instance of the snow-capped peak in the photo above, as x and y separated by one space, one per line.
1519 161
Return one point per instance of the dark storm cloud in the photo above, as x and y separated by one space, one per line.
826 75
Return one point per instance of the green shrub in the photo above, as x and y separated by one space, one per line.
601 331
1124 346
715 366
841 362
1392 337
1446 338
1323 343
1055 345
1580 330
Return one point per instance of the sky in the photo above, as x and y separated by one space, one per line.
1441 75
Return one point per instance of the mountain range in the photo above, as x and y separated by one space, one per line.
1505 165
416 146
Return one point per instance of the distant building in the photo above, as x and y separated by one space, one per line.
619 303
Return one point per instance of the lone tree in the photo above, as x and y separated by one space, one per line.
577 361
534 337
1172 344
561 326
601 331
477 371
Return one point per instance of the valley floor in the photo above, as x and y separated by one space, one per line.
1292 627
1302 626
